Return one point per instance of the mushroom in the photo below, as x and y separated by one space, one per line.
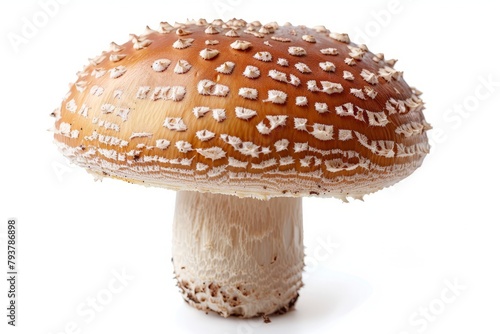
243 120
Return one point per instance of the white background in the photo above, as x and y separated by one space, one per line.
373 267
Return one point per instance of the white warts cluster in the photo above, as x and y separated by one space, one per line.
303 68
322 132
174 93
208 87
175 124
274 122
117 72
328 87
329 51
297 51
218 114
248 93
369 76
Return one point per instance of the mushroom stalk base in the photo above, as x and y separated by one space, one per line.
238 256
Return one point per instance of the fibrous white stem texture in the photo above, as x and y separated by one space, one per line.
238 256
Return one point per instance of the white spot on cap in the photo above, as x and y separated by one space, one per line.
297 51
176 93
300 124
309 38
160 93
209 53
123 113
321 107
232 33
237 163
211 42
263 56
377 118
249 148
107 108
282 62
281 145
341 37
327 66
350 61
388 73
117 71
200 111
226 67
208 87
274 122
278 76
303 68
117 94
300 147
276 96
312 85
251 72
98 72
160 65
281 39
370 92
240 45
348 76
345 134
142 92
205 135
211 30
322 131
162 144
116 57
183 146
183 32
331 87
356 53
201 166
71 106
248 93
294 80
182 66
329 51
140 135
219 114
265 164
175 123
213 153
245 113
301 101
358 93
288 160
113 47
369 76
183 43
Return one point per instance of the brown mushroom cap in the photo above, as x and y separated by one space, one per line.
247 109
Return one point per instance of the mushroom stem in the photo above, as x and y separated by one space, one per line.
238 256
